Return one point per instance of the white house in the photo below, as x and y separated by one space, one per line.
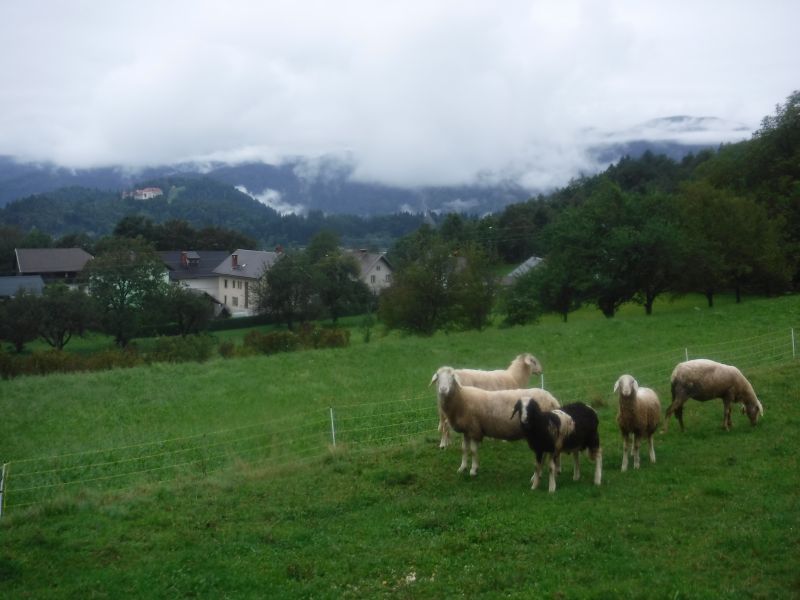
376 271
237 275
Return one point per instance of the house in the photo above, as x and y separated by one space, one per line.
238 274
531 263
144 193
376 271
52 264
194 268
10 286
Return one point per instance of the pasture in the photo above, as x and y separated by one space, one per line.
222 479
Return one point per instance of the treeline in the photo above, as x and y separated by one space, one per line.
724 221
198 202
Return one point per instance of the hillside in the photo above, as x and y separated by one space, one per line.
222 478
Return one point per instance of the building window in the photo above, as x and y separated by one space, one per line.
226 283
225 300
372 278
377 267
235 300
240 284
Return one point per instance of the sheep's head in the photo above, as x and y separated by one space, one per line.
627 386
753 410
446 381
530 362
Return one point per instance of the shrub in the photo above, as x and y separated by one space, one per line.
113 359
43 362
273 342
227 349
334 338
182 349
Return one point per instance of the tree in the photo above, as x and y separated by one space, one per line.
472 289
123 279
190 310
64 312
419 298
285 292
19 319
553 286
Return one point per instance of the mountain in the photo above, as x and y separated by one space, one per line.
300 184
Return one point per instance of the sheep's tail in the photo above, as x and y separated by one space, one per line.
517 409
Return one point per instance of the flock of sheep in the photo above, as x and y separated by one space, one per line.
497 404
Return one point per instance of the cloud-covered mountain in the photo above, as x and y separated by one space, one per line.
330 184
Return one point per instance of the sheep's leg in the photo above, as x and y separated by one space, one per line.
444 429
473 446
726 413
677 408
652 449
537 473
637 443
576 471
552 487
464 452
625 447
597 456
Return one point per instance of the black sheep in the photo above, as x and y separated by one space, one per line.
571 428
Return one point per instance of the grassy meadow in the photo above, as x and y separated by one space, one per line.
222 479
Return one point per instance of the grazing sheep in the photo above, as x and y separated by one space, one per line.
571 429
478 413
639 416
516 376
703 380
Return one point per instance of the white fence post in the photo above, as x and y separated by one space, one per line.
542 376
686 352
333 429
2 489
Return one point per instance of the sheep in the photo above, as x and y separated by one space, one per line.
516 376
703 380
639 416
478 413
572 428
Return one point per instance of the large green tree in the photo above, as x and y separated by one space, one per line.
65 312
19 319
123 279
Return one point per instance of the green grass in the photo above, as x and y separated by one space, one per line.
259 511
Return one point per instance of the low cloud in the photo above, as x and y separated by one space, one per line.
272 198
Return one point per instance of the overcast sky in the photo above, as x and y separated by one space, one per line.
411 92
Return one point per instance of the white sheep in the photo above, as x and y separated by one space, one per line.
638 417
573 428
703 380
478 413
516 376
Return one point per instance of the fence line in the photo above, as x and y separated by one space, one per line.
311 434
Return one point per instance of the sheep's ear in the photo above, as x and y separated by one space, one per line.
434 378
456 378
616 386
635 387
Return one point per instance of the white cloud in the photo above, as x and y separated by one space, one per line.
414 93
272 198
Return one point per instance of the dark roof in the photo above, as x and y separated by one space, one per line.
51 260
10 286
531 263
201 263
249 263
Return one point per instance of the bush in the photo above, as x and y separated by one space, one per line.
182 349
113 359
273 342
227 349
43 362
334 338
